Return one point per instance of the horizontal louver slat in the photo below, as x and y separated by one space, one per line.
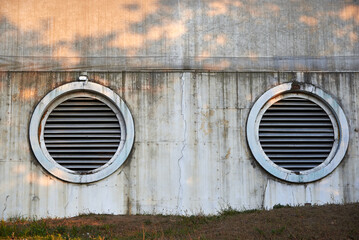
82 162
266 129
81 108
88 119
81 167
82 134
82 150
298 161
294 150
297 124
295 167
108 156
82 103
81 114
294 103
307 134
110 140
302 140
275 108
89 145
82 125
297 155
295 113
301 118
60 131
297 145
296 134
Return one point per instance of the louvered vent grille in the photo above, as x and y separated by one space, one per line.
296 134
82 134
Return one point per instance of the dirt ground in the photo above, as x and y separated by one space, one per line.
307 222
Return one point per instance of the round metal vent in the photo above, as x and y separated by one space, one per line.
297 132
82 133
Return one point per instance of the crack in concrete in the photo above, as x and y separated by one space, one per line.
124 173
5 205
183 106
67 204
264 195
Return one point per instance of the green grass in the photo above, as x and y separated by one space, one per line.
277 224
41 230
19 227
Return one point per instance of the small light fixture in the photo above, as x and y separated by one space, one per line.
83 77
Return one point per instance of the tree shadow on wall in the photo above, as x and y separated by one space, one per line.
161 34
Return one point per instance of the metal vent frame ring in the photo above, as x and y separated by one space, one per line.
329 105
61 94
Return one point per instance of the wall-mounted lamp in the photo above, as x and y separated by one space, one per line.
83 77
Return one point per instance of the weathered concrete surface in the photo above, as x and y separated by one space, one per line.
190 154
228 35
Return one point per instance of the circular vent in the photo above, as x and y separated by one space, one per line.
296 134
82 133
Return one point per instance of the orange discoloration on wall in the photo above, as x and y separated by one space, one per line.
228 154
65 21
206 125
222 7
253 56
207 37
40 180
206 128
188 14
221 65
346 32
273 7
28 93
108 35
353 36
350 12
340 32
310 21
170 30
174 30
221 40
71 19
19 169
71 55
217 8
205 54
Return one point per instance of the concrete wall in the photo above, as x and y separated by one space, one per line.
225 35
190 154
189 72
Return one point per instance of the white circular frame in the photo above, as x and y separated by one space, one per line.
60 94
329 105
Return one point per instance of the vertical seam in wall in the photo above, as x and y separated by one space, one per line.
9 118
